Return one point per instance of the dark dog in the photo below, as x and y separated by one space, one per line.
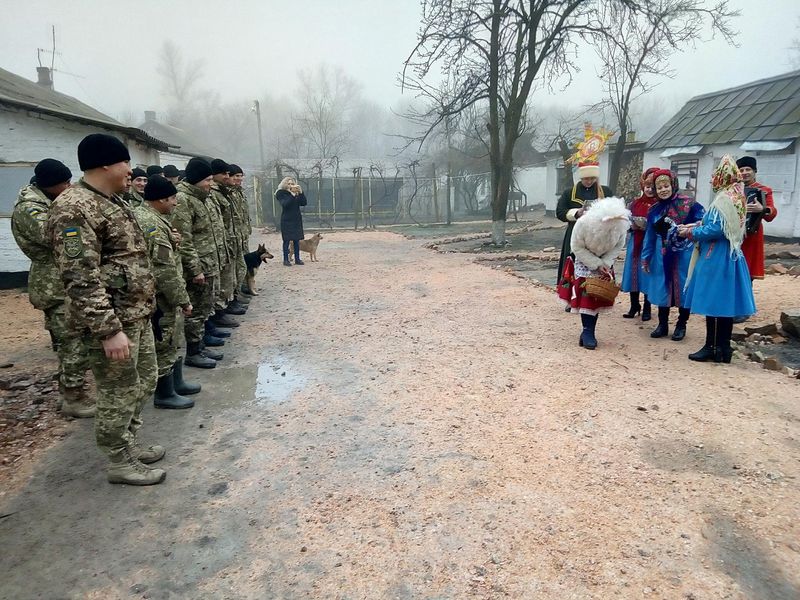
253 260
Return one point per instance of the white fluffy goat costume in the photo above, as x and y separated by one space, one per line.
600 234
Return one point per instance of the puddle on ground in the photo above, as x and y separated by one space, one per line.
276 382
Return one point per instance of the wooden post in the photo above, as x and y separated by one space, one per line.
258 201
355 211
319 199
361 194
369 190
333 196
435 195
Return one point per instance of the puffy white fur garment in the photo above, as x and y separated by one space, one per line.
600 233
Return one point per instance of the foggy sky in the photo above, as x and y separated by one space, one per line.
255 46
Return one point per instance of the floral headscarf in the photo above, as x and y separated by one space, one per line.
647 177
729 201
673 179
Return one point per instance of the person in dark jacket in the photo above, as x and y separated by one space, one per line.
291 197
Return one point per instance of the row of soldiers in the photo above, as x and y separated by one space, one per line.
117 266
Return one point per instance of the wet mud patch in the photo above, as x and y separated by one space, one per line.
688 457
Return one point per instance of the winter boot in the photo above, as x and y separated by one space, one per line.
708 351
241 299
587 339
220 319
74 404
234 309
210 340
680 326
212 330
195 359
663 323
124 468
724 352
184 388
635 306
167 398
646 310
148 455
212 354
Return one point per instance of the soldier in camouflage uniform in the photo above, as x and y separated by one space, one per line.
133 196
45 289
195 218
243 227
172 301
110 295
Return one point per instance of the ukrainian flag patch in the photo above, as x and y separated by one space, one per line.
73 244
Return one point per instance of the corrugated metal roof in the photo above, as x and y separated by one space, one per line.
762 110
23 93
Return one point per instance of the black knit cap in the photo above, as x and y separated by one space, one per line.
747 161
196 170
171 171
138 172
219 166
101 150
234 169
50 172
158 188
154 170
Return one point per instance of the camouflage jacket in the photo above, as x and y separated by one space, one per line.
102 257
28 224
164 255
133 198
196 218
221 196
243 215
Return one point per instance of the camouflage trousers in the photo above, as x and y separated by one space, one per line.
202 298
241 270
72 362
227 281
171 325
122 387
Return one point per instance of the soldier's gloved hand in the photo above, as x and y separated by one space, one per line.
117 347
199 279
187 310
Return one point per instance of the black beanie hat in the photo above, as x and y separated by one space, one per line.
219 166
100 150
50 172
171 171
196 170
154 170
234 169
158 188
747 161
138 172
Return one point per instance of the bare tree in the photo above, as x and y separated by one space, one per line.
636 46
496 52
794 49
179 79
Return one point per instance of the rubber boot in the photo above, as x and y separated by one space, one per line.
148 455
220 319
724 352
646 309
635 306
680 326
212 354
708 351
234 309
184 388
215 331
241 299
195 359
167 398
210 340
75 404
124 468
663 323
587 339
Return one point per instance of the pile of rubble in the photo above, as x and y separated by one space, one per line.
754 341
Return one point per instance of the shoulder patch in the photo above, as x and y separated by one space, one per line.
33 211
164 253
73 244
151 231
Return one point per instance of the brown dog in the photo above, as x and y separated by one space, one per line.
310 245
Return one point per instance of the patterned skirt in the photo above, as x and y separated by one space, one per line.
572 292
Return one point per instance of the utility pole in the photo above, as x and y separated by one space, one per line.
257 109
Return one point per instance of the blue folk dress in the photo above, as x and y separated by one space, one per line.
669 255
720 284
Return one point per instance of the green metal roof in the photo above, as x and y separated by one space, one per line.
768 109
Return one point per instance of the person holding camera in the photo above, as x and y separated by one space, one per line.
665 255
753 246
291 198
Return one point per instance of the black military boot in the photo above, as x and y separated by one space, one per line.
210 340
184 388
212 329
195 359
241 298
220 319
167 398
212 354
235 309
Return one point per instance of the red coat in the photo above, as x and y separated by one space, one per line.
753 246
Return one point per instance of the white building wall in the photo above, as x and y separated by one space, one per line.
533 182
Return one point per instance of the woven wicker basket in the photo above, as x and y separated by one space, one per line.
602 289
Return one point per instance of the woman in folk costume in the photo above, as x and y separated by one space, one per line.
665 256
597 238
719 281
633 276
574 201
